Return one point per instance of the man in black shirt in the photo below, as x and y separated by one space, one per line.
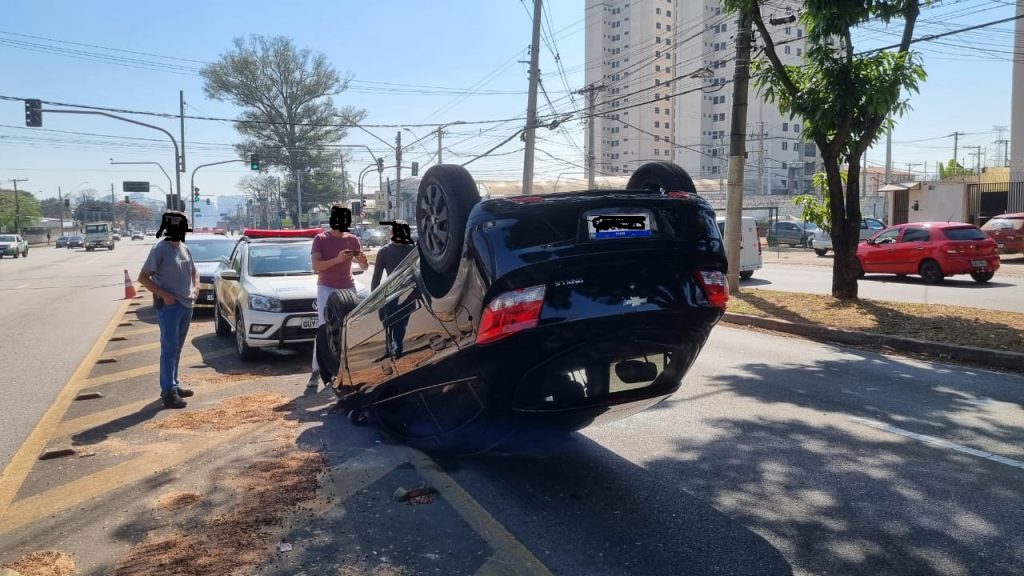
388 258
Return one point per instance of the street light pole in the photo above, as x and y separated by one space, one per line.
17 205
192 183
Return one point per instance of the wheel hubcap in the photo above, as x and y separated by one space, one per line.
434 204
239 335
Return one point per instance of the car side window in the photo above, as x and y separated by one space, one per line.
874 224
887 237
915 235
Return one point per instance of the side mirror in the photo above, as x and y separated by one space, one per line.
870 241
229 274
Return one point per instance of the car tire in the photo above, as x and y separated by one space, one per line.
821 252
982 277
221 326
246 353
657 176
17 254
860 268
746 274
445 197
931 272
328 336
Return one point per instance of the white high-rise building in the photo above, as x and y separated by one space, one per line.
666 70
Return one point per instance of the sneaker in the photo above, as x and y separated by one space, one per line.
184 392
174 401
314 379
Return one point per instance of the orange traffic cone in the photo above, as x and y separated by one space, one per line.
129 288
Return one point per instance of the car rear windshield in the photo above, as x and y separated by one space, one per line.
7 238
965 233
280 259
1004 224
210 250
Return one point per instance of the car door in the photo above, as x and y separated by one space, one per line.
367 359
876 256
228 290
909 249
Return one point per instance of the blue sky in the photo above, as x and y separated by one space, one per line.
412 62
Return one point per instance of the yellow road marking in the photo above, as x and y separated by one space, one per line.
21 463
151 369
134 349
51 502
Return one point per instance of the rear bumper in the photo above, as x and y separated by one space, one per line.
1011 246
965 265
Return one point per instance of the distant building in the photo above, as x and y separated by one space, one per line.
650 55
229 205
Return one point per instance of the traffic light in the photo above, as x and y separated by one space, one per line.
415 168
127 199
67 203
380 165
254 162
33 113
195 194
207 201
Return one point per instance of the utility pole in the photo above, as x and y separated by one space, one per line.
17 205
591 93
761 156
888 156
181 107
956 142
398 175
60 199
298 178
530 135
737 149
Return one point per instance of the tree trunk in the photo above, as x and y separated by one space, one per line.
845 210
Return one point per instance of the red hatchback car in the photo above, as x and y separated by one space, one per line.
1008 232
933 250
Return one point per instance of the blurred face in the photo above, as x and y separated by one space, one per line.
341 219
174 226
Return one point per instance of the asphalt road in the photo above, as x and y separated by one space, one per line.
1004 292
780 456
53 306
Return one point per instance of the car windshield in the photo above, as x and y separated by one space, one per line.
93 228
280 260
1004 224
965 233
210 249
7 238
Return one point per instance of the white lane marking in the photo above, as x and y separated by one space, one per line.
940 442
22 286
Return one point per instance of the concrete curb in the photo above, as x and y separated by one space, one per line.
986 356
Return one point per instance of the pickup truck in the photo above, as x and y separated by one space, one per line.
822 241
98 235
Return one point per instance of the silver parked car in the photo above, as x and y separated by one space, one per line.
822 241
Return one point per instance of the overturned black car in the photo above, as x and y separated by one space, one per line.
549 311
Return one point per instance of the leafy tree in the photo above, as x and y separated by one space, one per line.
845 98
288 116
92 210
138 214
953 169
52 207
27 206
816 206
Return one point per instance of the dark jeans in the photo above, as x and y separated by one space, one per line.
174 321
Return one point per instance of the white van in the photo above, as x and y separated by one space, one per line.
750 246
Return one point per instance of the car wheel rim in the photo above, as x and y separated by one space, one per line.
239 335
434 233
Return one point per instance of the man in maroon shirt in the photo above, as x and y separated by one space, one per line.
333 253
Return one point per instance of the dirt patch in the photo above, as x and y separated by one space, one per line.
232 412
45 563
240 538
200 379
177 500
932 322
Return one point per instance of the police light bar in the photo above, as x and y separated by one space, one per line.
266 233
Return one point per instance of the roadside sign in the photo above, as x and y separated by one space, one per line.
135 186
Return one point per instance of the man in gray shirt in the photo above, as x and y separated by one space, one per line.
388 258
171 275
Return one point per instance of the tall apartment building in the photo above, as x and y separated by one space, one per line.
665 68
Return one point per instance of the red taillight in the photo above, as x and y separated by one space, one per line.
678 194
526 199
509 313
715 285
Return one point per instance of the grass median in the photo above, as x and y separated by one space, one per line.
959 325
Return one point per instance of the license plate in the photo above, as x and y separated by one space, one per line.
309 323
619 226
209 297
1001 246
978 263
